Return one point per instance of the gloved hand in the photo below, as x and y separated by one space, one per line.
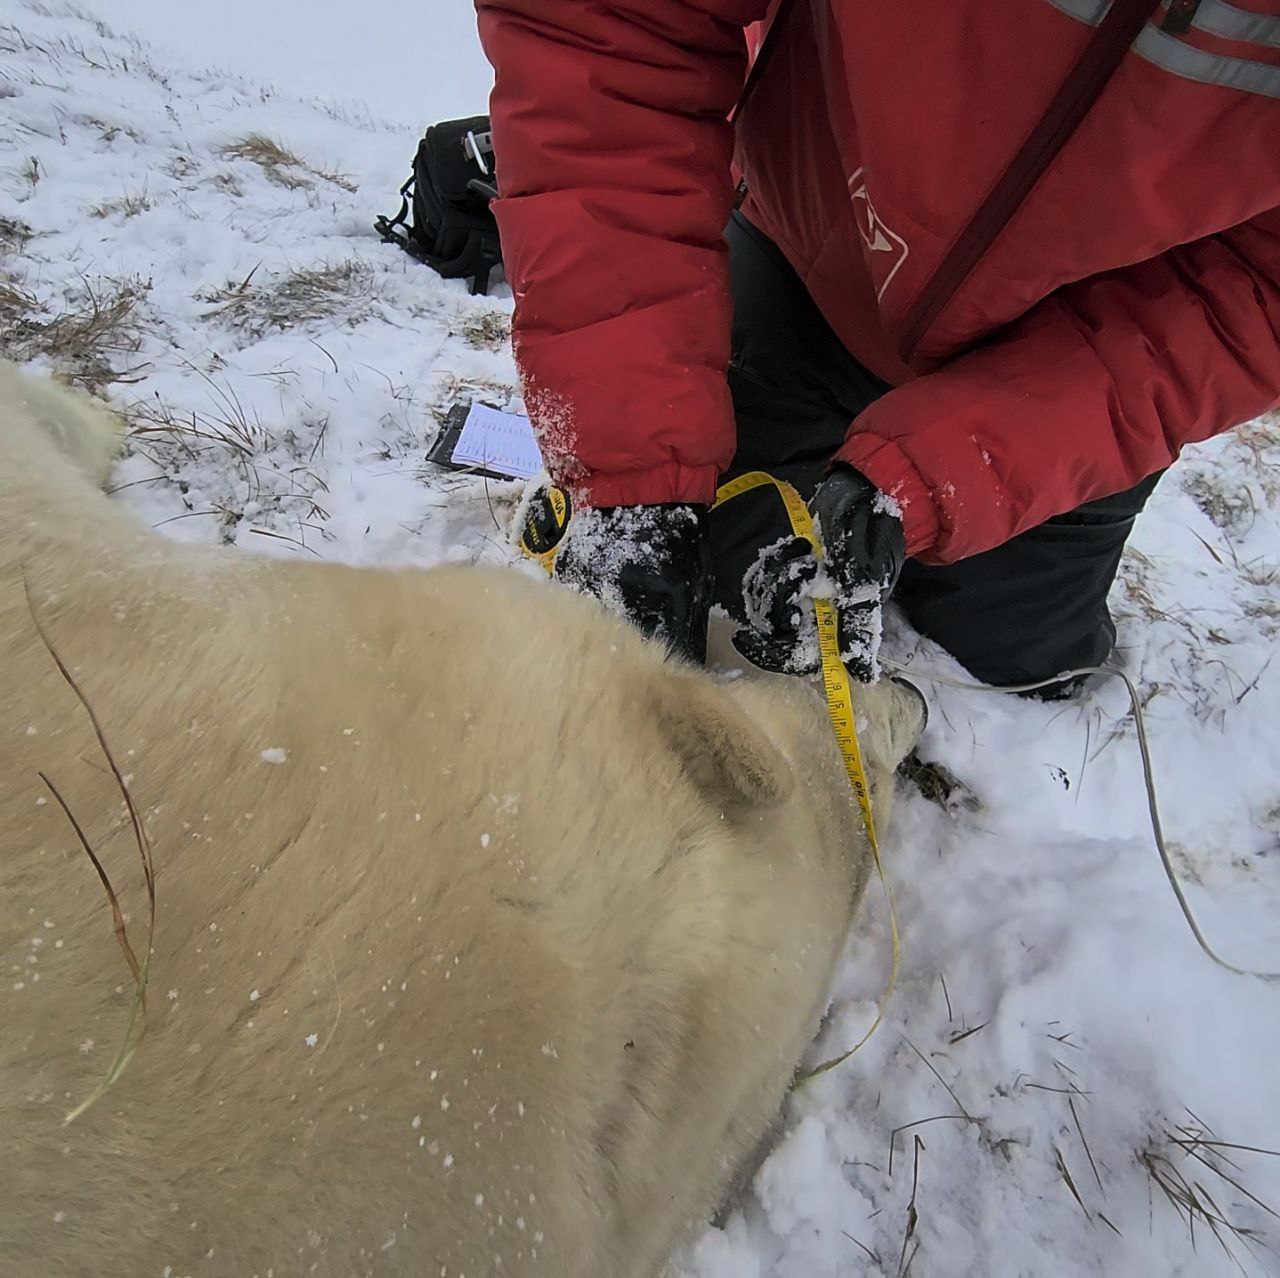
651 563
862 537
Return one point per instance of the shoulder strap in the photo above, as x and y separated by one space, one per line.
767 46
1080 90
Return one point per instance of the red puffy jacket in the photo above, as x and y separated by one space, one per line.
1130 305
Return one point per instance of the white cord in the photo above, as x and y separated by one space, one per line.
1148 772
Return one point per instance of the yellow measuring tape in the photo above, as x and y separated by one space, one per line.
835 682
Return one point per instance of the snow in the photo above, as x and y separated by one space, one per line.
407 63
885 504
601 545
1057 1044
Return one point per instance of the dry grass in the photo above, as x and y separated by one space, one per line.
1208 1182
1230 505
228 427
339 291
181 167
281 165
1230 509
126 206
136 1025
228 184
261 474
342 181
13 236
103 31
1260 439
1203 1180
133 60
1139 578
490 331
1237 488
458 386
15 307
107 131
83 340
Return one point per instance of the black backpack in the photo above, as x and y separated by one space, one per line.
454 177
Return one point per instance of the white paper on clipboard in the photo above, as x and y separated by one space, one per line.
503 442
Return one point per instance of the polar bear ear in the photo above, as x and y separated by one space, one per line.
726 755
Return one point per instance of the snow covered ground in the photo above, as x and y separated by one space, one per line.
407 60
1063 1078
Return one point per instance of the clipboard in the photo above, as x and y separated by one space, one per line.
483 440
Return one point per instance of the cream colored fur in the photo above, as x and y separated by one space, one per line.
503 970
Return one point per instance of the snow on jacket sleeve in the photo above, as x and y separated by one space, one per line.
610 123
1094 389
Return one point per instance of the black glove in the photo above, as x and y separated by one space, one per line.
862 537
651 563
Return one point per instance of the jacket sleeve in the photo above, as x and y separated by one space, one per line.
614 152
1096 388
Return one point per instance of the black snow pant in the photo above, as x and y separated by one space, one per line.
1025 611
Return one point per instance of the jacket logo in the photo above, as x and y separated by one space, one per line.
887 249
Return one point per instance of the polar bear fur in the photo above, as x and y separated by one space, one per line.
486 940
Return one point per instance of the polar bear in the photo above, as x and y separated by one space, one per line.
486 940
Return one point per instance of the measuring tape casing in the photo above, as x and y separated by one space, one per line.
545 523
